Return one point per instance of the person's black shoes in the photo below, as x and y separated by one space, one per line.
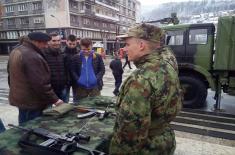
115 93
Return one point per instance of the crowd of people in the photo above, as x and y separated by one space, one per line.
41 74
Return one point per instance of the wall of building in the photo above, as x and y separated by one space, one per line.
56 13
100 20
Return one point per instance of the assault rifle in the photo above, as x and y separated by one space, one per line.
90 112
52 143
173 19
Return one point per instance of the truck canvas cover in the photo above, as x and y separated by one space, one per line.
225 44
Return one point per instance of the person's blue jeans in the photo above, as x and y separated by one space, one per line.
2 128
27 115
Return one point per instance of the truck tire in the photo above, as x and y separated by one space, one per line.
195 91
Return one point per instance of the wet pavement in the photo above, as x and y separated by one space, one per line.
188 143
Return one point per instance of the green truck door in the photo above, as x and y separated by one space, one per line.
199 46
176 40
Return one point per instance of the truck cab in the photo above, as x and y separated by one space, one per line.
199 56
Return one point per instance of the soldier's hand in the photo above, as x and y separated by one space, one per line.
59 102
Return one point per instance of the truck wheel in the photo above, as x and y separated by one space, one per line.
195 91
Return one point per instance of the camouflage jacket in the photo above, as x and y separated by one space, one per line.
149 99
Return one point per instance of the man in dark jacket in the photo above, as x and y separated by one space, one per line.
55 60
116 67
127 62
2 128
69 51
30 84
87 70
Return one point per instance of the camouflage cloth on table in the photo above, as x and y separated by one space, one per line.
100 101
98 130
89 102
149 99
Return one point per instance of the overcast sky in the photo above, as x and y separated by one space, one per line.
148 5
156 2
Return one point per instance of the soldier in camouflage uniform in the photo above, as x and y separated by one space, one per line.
149 99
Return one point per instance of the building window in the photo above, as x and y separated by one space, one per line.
97 10
10 21
129 4
38 20
23 7
73 4
73 19
106 13
133 5
104 25
9 9
198 36
89 34
86 21
84 34
22 33
37 6
112 26
12 35
3 35
24 20
96 24
133 13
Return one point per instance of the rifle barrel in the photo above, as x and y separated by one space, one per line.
18 127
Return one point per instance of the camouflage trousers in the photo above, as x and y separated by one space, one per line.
163 144
81 93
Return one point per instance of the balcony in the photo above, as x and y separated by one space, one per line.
91 2
23 12
9 14
38 25
87 12
8 1
10 27
107 17
107 6
74 10
23 26
1 26
36 11
75 24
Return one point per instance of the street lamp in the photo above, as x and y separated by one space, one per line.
58 21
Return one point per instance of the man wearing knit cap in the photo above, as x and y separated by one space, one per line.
29 78
149 99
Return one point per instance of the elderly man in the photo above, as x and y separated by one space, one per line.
149 98
30 87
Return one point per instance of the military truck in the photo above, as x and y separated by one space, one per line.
206 59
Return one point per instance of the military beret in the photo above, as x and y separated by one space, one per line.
39 36
145 31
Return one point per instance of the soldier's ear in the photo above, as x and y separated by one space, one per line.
142 45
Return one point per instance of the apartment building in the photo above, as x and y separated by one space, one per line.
100 20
